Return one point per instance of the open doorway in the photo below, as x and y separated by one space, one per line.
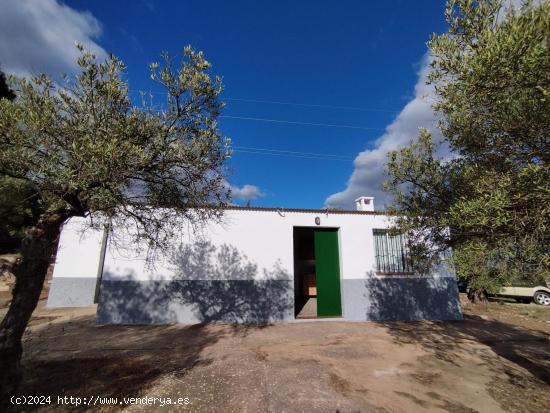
305 283
316 273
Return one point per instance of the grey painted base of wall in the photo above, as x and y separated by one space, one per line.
247 301
401 298
71 292
195 301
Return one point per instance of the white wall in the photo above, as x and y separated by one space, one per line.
265 237
79 251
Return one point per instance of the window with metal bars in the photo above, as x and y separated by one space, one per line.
391 253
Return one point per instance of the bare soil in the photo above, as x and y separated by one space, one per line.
496 359
7 279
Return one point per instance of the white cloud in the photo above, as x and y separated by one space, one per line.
39 35
369 173
245 193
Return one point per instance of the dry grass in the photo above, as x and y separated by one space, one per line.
530 316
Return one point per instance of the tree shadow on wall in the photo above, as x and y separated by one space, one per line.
222 284
408 298
124 300
208 284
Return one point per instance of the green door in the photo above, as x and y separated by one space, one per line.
327 269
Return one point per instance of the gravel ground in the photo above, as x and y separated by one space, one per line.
486 363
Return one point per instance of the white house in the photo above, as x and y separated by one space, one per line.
257 265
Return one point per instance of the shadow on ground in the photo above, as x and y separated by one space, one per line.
80 358
466 366
520 350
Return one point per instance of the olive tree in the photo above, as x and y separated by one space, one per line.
18 206
489 200
87 151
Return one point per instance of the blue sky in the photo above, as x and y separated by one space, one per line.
362 62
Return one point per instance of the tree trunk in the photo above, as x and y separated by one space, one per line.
36 250
477 296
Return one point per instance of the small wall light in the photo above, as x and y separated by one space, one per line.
317 221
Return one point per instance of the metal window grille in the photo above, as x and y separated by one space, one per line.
391 252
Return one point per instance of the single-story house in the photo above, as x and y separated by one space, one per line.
256 265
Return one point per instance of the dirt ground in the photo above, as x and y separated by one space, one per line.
497 359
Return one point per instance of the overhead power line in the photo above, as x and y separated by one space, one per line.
276 102
291 122
291 154
284 121
299 123
309 105
281 151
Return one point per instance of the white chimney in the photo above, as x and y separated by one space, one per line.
365 203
